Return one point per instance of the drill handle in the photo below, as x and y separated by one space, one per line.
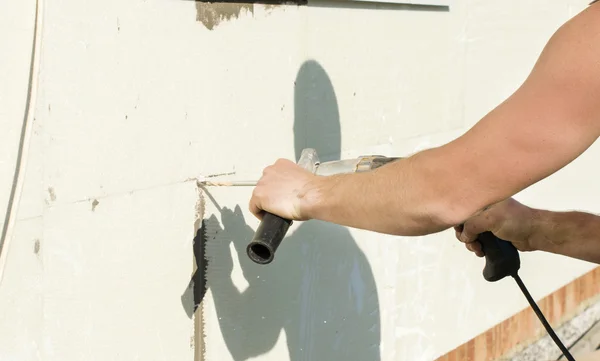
273 228
268 237
501 257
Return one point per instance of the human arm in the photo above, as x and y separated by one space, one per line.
573 234
548 122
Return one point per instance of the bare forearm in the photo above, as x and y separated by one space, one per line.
406 197
572 234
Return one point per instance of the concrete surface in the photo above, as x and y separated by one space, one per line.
136 98
581 335
589 342
574 334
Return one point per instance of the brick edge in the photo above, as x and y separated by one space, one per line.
524 328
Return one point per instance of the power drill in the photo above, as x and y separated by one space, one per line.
501 257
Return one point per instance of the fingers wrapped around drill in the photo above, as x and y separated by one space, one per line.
470 243
476 248
281 190
469 232
508 220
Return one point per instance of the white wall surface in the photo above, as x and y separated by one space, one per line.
16 27
135 98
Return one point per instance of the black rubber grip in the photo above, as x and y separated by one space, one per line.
501 257
267 238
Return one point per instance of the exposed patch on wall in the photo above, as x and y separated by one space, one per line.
199 277
36 246
52 194
212 14
95 204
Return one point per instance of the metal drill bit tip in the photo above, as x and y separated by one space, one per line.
229 183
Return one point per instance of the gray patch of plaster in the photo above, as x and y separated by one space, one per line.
570 332
212 14
187 300
36 246
52 194
95 204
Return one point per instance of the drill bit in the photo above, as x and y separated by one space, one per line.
243 183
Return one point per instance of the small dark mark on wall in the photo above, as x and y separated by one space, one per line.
125 116
49 108
36 246
95 204
118 25
52 194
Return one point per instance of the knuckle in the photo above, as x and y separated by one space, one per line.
490 218
472 230
470 238
281 161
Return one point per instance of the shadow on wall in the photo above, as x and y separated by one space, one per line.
320 288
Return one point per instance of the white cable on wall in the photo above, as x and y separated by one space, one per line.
21 162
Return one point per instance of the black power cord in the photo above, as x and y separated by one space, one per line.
539 314
502 260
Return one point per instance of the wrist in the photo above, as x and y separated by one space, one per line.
310 198
539 239
534 241
316 197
